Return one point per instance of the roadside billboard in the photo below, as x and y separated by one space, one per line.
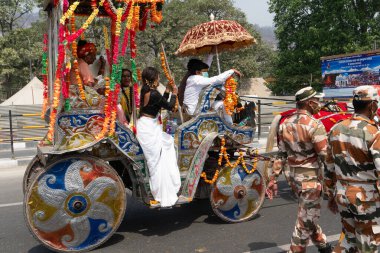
342 73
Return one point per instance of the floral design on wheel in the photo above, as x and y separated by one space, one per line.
237 195
76 204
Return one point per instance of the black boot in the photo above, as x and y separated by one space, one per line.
326 249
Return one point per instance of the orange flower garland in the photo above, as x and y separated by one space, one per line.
168 76
231 99
74 47
223 154
136 18
214 178
156 16
165 69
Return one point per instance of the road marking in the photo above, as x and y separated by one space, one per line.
282 248
11 204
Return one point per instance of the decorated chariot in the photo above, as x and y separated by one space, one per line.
75 188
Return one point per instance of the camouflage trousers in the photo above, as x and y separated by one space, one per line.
309 210
359 207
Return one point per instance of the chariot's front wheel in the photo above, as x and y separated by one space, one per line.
237 195
75 204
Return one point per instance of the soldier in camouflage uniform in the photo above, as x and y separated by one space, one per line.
303 138
352 183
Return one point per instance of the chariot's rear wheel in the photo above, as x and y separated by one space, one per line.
75 204
33 168
237 196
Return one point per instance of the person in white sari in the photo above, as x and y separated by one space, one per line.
158 146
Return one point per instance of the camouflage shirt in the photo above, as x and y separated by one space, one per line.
304 139
354 143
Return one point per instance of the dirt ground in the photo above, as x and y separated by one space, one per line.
257 86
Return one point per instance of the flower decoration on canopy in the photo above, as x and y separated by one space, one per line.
135 13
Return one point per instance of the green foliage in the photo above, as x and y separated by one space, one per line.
20 49
11 13
179 17
308 30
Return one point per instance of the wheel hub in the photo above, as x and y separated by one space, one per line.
77 204
240 192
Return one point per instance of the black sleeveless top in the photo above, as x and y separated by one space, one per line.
156 102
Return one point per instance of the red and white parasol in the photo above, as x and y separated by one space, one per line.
218 35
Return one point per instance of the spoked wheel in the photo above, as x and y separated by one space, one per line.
237 196
75 205
34 167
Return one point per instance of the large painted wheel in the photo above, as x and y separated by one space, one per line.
75 205
33 168
237 196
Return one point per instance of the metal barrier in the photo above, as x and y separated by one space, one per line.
16 127
268 107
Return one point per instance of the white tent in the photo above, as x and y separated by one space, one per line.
31 94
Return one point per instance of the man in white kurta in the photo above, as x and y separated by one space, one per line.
195 84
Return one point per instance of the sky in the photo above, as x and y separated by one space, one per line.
257 11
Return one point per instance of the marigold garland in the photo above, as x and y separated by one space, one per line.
167 74
223 154
44 73
112 86
57 83
136 18
85 25
156 16
130 17
69 12
230 100
214 178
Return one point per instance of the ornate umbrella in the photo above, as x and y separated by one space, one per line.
219 35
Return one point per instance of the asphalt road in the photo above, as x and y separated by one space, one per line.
190 228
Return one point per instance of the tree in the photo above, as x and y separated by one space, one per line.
20 49
308 30
11 13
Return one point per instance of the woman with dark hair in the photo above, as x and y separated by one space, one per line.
157 145
195 80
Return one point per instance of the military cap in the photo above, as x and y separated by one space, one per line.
307 93
366 93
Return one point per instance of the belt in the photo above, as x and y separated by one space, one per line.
311 172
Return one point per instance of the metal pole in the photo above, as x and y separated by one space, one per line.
30 62
11 134
217 59
259 118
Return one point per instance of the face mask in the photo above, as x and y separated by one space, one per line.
205 74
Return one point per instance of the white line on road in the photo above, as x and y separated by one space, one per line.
282 248
11 204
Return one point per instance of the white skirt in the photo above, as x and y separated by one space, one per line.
159 152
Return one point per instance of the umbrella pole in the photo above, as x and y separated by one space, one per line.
217 59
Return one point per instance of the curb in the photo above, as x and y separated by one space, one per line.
8 163
18 145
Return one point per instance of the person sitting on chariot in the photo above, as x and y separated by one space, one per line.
93 87
86 52
195 80
158 146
